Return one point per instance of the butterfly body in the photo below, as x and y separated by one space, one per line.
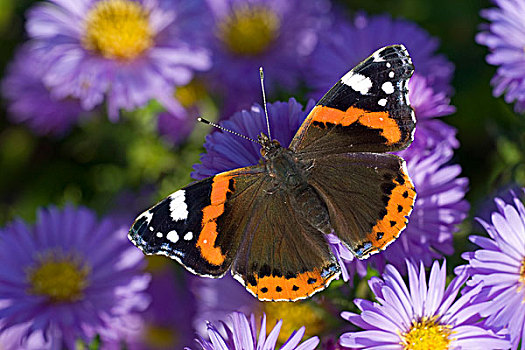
289 175
267 222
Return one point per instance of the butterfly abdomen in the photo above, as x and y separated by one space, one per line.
290 175
311 207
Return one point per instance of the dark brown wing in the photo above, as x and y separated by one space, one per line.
189 225
282 257
369 197
366 111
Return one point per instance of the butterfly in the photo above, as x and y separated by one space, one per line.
267 222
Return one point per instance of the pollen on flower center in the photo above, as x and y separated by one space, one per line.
295 315
160 337
249 30
427 334
61 278
190 94
118 29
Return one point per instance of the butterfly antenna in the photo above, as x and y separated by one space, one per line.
261 73
202 120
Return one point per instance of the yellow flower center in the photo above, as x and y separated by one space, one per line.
159 337
427 334
117 29
61 278
249 30
294 316
188 95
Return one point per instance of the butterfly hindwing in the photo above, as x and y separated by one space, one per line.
282 257
185 225
368 195
367 110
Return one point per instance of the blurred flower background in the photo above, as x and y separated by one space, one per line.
98 122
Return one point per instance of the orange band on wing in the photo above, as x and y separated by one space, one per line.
399 206
380 120
336 116
375 120
219 190
206 243
208 235
303 285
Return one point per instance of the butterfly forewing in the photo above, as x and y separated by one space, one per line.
184 226
367 110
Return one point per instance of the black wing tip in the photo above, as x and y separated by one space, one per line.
393 53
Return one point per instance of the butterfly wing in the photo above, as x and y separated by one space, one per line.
369 197
282 256
366 111
189 226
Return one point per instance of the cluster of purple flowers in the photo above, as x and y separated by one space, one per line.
504 38
125 53
71 278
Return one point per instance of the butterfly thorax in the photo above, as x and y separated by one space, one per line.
289 175
285 169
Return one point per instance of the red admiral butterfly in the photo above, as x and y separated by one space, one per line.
267 222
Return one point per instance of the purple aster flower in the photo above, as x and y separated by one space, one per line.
345 45
428 105
505 37
507 193
420 317
30 102
10 338
225 151
499 269
275 34
217 298
69 276
242 335
125 51
166 323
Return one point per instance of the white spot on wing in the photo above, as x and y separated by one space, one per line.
382 102
147 214
387 87
172 236
188 236
391 74
357 82
377 57
178 206
388 65
159 234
